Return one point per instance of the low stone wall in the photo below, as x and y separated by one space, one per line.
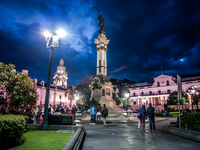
189 134
60 119
76 141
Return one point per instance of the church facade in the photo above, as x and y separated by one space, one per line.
57 89
159 91
60 76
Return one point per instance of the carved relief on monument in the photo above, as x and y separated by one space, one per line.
107 91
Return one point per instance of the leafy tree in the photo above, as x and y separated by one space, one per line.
117 100
7 73
84 89
124 101
70 92
196 99
19 87
123 91
173 99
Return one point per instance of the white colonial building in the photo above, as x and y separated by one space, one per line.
157 92
56 94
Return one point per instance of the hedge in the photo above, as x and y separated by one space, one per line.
191 121
12 128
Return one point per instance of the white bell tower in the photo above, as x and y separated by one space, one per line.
60 76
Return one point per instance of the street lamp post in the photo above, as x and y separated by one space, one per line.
127 96
52 42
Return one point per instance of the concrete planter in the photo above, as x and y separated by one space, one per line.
189 134
76 141
60 119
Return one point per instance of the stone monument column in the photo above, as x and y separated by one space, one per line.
101 48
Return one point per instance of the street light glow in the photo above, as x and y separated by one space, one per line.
76 98
127 95
47 34
55 38
61 33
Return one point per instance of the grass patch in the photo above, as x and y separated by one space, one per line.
43 140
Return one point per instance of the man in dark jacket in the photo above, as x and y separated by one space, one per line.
104 113
150 114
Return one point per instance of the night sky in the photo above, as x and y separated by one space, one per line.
144 35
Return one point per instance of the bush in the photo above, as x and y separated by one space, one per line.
173 113
12 128
191 121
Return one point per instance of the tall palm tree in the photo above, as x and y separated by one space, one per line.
70 92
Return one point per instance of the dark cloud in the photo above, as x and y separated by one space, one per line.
145 36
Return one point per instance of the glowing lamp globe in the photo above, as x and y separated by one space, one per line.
61 33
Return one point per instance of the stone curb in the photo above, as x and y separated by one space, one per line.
76 141
118 121
188 134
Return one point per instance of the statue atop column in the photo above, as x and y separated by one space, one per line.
101 87
101 23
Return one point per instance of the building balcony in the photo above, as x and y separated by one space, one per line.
157 104
149 94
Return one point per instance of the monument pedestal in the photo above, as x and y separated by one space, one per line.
101 91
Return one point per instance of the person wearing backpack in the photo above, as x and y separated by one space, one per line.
104 113
142 116
150 114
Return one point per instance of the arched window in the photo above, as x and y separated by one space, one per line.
158 83
167 83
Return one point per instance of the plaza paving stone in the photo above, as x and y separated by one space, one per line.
126 136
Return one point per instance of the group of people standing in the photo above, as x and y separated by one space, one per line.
142 116
39 111
97 113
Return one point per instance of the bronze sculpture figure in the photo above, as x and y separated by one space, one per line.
101 23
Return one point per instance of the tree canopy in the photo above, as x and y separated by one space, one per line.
19 87
173 99
123 91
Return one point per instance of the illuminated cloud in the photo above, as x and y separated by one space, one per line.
119 69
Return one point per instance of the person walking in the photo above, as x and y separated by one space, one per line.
104 113
98 120
92 113
74 110
150 114
142 115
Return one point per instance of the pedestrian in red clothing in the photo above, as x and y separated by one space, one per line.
69 110
142 116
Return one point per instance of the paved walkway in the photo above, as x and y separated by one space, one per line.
126 136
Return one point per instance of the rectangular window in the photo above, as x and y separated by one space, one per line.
104 66
142 93
99 66
159 92
134 103
133 94
168 91
150 92
60 96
